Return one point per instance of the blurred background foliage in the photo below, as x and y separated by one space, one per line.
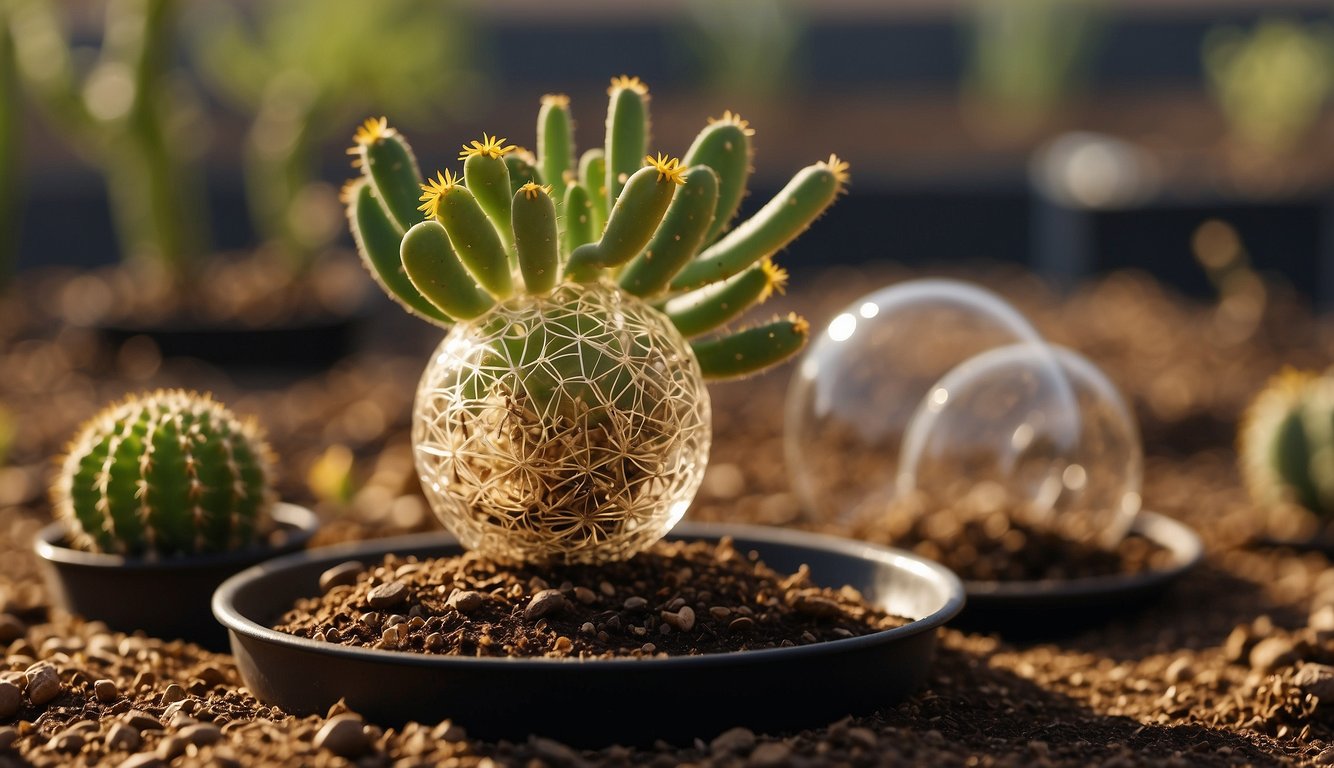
231 135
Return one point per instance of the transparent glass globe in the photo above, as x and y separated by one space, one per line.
862 379
1059 442
571 427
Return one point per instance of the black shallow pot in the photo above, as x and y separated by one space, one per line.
600 702
167 598
1047 609
297 346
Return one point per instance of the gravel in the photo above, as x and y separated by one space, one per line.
1179 683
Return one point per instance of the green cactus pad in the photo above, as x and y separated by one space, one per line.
377 241
710 307
536 238
593 177
387 160
634 219
436 272
555 142
678 238
471 232
724 146
166 473
627 133
752 350
778 223
488 179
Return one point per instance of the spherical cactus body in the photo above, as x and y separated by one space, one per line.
572 427
162 474
1286 442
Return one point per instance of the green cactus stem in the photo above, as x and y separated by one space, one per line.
389 162
523 169
470 231
579 217
1286 442
778 223
435 271
488 179
555 142
647 243
593 178
679 237
166 473
536 238
724 146
377 241
753 349
638 212
627 133
714 305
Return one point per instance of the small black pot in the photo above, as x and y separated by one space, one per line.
598 702
166 598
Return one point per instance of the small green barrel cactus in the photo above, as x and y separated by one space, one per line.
565 416
1286 442
165 473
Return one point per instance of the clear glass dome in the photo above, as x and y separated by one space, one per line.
863 378
1058 441
572 427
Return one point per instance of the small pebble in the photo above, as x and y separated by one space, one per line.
732 741
341 575
741 624
201 734
140 720
465 601
68 742
1316 680
584 595
814 605
171 747
344 735
546 602
142 760
173 694
43 684
11 700
770 755
106 691
11 628
635 603
388 595
1271 653
122 737
683 620
1179 671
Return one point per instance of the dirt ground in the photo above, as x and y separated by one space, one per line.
1232 666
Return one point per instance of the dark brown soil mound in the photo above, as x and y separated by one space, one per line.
675 599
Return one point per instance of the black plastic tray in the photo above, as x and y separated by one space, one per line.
1053 608
168 598
601 702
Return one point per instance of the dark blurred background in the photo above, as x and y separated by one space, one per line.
1073 136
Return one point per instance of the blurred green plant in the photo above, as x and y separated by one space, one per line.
10 135
303 68
1271 81
126 111
1028 56
744 47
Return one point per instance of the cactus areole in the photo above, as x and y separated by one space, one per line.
564 417
163 474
